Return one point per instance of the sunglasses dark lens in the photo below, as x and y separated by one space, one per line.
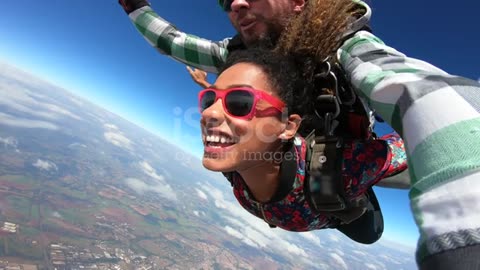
208 98
227 5
239 103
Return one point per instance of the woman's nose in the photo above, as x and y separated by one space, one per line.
213 114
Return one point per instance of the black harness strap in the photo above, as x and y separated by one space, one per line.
288 171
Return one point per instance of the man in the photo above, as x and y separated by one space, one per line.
436 113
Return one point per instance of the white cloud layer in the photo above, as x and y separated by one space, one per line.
10 120
160 186
141 187
371 266
339 261
310 236
252 230
110 126
56 214
201 194
18 91
116 137
9 142
150 171
45 165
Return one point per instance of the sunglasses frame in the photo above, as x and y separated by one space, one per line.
256 94
226 5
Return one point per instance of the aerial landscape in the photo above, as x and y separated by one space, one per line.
82 188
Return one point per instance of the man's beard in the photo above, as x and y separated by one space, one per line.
270 37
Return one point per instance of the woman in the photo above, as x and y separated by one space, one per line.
250 121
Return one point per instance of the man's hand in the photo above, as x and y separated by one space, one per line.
199 76
131 5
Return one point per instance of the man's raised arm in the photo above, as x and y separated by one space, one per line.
168 40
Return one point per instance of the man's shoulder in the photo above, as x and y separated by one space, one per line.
234 43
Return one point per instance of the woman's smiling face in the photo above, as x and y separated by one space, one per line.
235 144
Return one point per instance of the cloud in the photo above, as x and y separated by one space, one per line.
371 266
137 185
15 74
161 187
389 259
17 94
252 230
311 237
56 214
339 261
409 249
237 234
55 109
233 232
10 120
77 145
9 141
334 238
150 171
300 247
45 165
78 102
110 126
141 187
201 194
199 213
118 139
360 253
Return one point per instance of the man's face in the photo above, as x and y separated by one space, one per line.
257 19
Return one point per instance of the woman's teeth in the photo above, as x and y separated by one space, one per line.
218 139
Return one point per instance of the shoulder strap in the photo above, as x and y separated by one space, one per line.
338 111
229 176
235 43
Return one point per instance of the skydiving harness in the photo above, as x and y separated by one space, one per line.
340 117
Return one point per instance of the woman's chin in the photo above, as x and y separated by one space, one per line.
216 165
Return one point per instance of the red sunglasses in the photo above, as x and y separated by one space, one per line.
237 102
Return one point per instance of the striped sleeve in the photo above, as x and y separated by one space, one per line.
438 116
188 49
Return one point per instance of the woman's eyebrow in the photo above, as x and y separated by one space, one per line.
213 86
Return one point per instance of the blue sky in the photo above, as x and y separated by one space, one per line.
92 49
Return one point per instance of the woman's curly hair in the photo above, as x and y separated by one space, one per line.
308 39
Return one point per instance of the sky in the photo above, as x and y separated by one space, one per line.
94 51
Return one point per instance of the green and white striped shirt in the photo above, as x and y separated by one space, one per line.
437 114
